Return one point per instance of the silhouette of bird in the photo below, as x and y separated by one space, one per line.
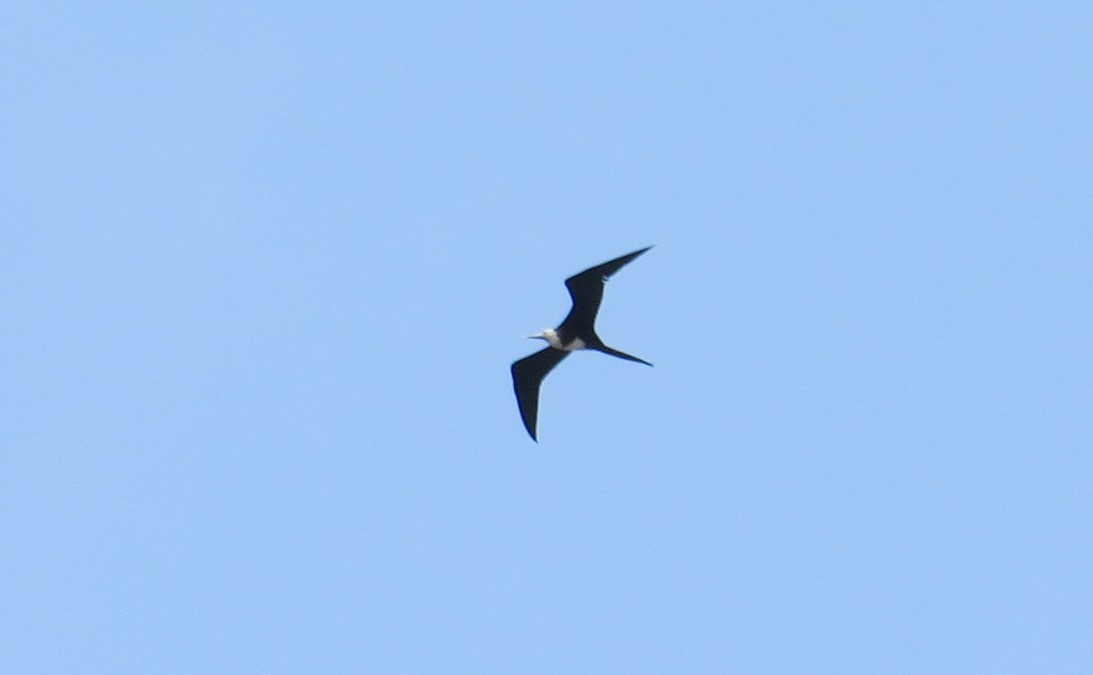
577 331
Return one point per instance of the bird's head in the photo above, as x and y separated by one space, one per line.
549 335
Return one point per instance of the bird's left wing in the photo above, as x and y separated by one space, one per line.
586 289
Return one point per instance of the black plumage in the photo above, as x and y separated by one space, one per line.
577 331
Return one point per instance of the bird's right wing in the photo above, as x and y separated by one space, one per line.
527 375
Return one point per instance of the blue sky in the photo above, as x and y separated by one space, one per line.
264 266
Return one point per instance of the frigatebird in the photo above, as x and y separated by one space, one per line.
577 331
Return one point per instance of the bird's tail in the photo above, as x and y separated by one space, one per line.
622 355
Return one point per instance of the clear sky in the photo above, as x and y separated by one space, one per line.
264 267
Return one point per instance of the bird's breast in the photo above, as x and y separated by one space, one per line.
574 344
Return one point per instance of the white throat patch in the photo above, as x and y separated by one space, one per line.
551 336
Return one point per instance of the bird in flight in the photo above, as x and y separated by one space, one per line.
577 331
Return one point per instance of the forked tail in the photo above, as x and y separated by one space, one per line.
622 355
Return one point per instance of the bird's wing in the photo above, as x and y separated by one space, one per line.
527 375
586 289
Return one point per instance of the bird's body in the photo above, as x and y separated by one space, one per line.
558 341
577 331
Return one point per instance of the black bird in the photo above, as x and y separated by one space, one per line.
577 331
